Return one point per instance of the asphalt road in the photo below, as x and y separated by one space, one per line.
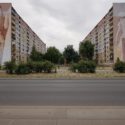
62 92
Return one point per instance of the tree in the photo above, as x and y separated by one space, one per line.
35 55
53 55
61 60
70 54
86 50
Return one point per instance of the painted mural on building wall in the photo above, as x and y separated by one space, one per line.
120 39
5 32
119 31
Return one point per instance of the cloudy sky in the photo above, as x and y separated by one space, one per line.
62 22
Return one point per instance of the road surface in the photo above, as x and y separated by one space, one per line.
62 92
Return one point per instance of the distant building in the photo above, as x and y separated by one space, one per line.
16 37
108 36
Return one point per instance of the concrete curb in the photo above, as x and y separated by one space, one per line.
114 78
62 115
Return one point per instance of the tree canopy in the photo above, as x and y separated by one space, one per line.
70 54
52 54
35 55
86 50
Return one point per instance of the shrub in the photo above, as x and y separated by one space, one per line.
22 69
91 66
29 67
10 67
84 67
30 64
48 66
38 67
74 67
119 66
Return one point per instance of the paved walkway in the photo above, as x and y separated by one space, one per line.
61 115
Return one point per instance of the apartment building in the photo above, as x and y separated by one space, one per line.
16 37
108 36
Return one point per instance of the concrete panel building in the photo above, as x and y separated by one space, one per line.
16 37
108 36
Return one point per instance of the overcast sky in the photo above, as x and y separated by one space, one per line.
62 22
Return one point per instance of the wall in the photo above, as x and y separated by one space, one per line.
119 31
5 32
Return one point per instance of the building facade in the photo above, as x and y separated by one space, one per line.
16 37
108 36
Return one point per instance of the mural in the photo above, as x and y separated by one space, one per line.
119 31
120 39
5 31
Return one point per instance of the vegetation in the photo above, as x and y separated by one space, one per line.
86 50
35 55
48 66
10 67
22 69
70 55
84 67
61 60
39 62
119 66
74 67
37 67
45 63
53 55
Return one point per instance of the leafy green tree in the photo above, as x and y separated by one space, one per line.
70 54
35 55
61 60
53 55
86 50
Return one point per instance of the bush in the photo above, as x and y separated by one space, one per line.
48 66
31 64
74 67
10 67
23 69
119 66
38 67
29 67
84 67
91 66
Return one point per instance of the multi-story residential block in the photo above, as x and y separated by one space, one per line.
108 36
16 37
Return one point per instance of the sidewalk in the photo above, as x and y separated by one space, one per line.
62 115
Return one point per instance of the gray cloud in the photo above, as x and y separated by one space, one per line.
62 22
